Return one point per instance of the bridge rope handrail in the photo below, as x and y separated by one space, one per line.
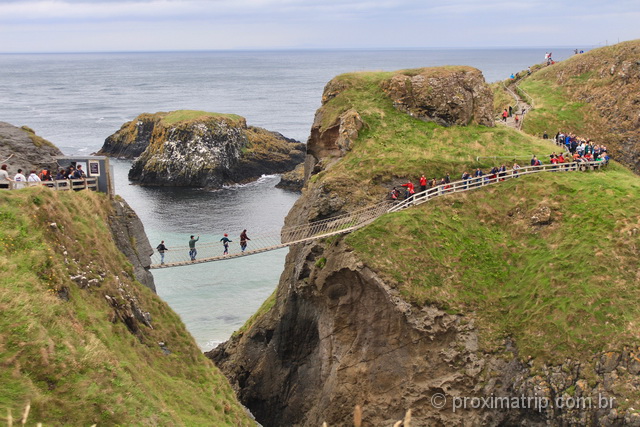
351 221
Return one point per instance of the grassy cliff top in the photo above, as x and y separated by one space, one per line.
77 353
563 289
594 95
395 146
193 115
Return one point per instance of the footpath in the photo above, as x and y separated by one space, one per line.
520 105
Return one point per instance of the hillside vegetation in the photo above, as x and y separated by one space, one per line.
550 260
595 95
80 339
393 147
565 286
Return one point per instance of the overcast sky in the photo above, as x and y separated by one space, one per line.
151 25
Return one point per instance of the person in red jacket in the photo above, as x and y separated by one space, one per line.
410 190
423 183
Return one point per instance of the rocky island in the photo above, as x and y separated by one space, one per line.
198 149
471 296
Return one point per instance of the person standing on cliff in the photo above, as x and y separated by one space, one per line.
192 248
19 179
505 114
161 250
4 177
225 242
243 240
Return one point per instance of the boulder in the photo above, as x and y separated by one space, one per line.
445 95
21 148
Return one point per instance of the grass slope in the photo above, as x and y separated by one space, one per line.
593 95
561 290
76 361
394 146
567 289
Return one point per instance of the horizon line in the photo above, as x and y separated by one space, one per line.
297 49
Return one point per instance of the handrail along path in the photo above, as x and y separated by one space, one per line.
346 223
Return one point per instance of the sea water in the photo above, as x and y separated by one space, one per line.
77 100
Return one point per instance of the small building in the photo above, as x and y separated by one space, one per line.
96 167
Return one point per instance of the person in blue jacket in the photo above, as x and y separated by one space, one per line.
225 242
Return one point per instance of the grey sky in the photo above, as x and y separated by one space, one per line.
133 25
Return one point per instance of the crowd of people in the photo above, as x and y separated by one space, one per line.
193 252
579 147
20 180
480 177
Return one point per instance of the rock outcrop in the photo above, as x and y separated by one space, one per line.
445 95
293 180
22 148
130 237
340 334
197 149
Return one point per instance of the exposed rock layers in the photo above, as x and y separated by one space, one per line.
201 150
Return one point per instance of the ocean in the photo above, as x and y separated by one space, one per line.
78 100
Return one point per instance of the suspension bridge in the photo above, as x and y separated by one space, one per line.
346 223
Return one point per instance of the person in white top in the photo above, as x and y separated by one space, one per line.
33 177
4 177
20 179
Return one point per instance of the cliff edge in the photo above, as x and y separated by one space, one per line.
21 148
83 342
473 296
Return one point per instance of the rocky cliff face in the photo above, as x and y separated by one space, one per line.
339 335
446 95
201 150
22 148
131 239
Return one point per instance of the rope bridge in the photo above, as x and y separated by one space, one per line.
288 236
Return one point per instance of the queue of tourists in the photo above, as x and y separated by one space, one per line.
581 146
19 179
500 173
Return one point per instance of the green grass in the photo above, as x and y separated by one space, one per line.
394 146
501 98
554 111
191 115
76 361
567 289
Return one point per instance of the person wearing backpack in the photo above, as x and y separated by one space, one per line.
161 250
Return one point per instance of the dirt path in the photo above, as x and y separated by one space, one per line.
520 105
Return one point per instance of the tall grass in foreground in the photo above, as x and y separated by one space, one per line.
68 350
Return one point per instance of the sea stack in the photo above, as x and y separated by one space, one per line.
199 149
